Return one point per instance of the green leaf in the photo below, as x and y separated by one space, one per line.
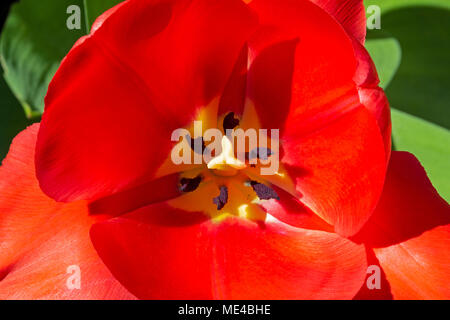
429 143
34 40
420 86
387 55
94 8
388 5
12 118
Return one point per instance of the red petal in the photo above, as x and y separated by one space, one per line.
407 195
301 81
370 95
366 74
302 63
371 293
40 238
375 100
350 13
419 268
155 191
292 212
119 94
233 97
159 254
410 229
339 169
230 259
105 15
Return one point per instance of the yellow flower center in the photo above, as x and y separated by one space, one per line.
225 185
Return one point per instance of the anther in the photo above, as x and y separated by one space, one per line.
222 199
264 192
230 122
189 184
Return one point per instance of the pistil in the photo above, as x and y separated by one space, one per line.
226 163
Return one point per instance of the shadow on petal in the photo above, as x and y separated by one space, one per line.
408 207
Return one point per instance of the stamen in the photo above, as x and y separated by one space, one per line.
264 192
230 122
259 153
189 185
222 199
193 141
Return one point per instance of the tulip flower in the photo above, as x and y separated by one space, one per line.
94 184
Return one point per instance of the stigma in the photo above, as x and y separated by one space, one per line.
226 164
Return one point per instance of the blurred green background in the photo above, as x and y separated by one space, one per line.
411 51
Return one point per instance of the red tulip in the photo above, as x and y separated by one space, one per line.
99 163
